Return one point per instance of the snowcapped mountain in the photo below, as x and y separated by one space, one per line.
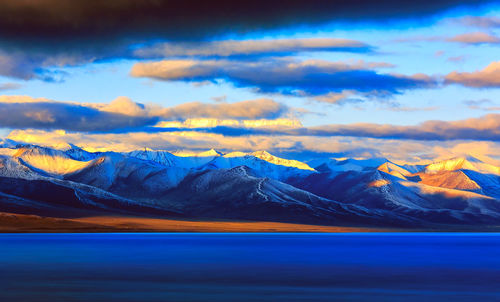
165 158
263 164
464 173
463 163
378 190
49 161
128 176
213 195
394 170
451 180
78 153
345 164
38 187
55 198
264 155
70 181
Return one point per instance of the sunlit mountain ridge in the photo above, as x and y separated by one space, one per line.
235 185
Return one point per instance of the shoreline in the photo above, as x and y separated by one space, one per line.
23 223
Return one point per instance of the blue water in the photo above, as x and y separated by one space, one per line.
250 267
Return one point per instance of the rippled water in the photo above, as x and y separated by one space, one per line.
250 267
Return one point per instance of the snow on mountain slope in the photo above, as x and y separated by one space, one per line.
463 173
345 164
377 190
450 180
213 195
8 151
394 170
462 163
57 198
264 155
234 159
8 143
78 153
413 168
474 204
209 153
128 176
275 168
170 160
12 167
50 161
489 183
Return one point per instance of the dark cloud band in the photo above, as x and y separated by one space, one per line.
69 21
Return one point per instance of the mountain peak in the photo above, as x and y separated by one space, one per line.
462 163
264 155
208 153
211 152
394 170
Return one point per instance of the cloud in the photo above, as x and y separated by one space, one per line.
79 21
9 86
194 123
28 64
489 77
262 117
26 112
420 38
122 113
411 109
457 59
37 36
482 104
288 76
486 128
340 98
34 63
472 38
485 151
230 48
483 21
260 108
475 38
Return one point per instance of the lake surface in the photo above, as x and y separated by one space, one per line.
250 267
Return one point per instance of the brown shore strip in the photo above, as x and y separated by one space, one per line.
20 223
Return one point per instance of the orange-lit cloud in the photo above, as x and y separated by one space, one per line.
487 77
484 128
475 38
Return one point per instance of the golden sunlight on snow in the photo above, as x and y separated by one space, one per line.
379 183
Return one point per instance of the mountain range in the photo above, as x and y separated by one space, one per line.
257 186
